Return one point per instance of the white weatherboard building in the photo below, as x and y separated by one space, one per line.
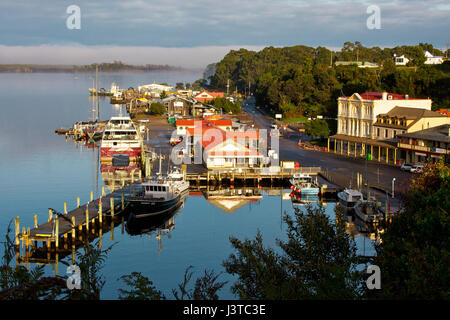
400 60
358 113
154 87
433 59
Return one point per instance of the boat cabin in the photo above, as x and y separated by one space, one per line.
351 196
157 189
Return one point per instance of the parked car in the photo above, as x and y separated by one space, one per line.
406 167
418 168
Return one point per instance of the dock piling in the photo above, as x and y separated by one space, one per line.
87 218
57 233
111 200
17 225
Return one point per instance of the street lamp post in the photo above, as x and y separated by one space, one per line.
393 181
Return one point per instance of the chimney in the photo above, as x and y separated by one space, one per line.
384 96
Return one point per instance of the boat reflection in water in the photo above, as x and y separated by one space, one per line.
115 175
161 224
231 199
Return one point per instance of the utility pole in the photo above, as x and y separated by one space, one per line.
228 87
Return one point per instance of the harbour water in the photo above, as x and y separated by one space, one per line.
40 170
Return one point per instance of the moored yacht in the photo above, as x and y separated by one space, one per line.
120 137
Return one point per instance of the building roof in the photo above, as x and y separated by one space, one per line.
409 114
192 122
379 96
439 133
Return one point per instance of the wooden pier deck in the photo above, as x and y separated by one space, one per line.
257 175
62 228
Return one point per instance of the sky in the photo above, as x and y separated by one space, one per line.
195 33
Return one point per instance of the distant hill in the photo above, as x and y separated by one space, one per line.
116 66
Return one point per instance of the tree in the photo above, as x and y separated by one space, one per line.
414 252
317 128
318 261
157 108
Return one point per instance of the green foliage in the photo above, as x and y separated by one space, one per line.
318 261
317 128
157 108
414 253
226 105
17 283
205 288
141 288
91 263
301 76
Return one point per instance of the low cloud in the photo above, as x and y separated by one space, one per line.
195 58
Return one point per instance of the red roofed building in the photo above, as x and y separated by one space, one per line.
221 148
207 96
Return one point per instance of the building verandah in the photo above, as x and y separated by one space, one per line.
358 147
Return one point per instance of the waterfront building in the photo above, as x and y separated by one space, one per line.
358 113
179 105
183 124
425 145
405 120
357 116
220 146
208 96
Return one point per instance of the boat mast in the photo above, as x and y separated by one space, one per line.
96 91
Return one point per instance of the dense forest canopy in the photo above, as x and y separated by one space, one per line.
305 81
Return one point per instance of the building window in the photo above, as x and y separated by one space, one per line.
378 132
395 133
386 133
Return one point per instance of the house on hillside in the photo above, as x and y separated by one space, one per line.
433 59
400 60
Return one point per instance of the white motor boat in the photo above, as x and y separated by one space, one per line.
349 197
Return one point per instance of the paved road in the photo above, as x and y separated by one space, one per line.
376 172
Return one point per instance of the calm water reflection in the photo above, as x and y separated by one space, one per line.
39 169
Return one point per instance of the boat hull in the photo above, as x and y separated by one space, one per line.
142 207
107 153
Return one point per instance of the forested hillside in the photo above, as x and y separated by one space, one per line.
305 81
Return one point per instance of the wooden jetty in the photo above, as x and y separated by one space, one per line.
256 176
70 229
